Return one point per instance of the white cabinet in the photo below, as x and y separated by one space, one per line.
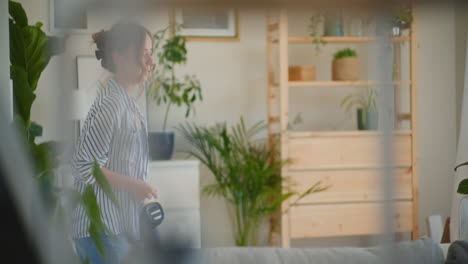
178 187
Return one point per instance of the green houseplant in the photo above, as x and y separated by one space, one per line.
367 115
246 175
402 20
345 66
30 52
314 22
166 88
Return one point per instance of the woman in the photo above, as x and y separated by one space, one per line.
115 135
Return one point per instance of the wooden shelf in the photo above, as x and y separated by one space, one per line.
356 133
345 83
356 167
346 39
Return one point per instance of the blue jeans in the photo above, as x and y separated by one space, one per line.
116 249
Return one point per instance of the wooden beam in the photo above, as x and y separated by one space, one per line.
414 123
284 100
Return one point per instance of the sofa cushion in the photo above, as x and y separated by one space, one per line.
424 251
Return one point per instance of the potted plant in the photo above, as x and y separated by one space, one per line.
247 176
367 114
314 22
30 52
402 20
166 88
345 66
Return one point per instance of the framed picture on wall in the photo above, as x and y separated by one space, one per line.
207 24
68 16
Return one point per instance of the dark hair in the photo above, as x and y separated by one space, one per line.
120 38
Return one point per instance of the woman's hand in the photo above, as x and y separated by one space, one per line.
142 190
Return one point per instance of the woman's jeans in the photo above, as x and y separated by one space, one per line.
116 249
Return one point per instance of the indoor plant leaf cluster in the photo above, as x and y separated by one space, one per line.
403 18
166 88
345 53
30 52
314 22
366 101
247 174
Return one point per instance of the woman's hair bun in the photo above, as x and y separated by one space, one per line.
101 40
119 38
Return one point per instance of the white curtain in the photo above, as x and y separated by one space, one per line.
459 215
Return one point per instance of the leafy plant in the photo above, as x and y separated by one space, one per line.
403 18
30 52
165 86
318 41
463 185
345 53
365 101
246 175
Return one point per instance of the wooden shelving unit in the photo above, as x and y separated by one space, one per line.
348 161
308 40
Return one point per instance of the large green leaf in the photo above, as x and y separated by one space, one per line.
93 212
22 94
103 183
29 50
93 230
35 130
17 13
463 187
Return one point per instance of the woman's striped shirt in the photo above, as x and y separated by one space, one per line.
111 136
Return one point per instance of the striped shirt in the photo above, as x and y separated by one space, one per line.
111 136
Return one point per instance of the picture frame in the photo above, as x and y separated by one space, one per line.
206 25
61 21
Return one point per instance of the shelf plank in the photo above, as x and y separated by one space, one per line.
344 83
346 39
355 133
356 167
404 117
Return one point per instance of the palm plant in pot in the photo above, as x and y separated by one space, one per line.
246 175
367 114
166 88
345 66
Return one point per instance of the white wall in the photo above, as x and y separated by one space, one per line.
5 90
233 77
461 20
437 126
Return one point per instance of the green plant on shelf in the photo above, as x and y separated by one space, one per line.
366 101
345 53
318 41
403 18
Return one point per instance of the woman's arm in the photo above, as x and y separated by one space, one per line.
138 188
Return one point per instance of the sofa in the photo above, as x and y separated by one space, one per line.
424 251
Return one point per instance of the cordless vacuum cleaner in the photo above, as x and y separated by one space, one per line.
151 216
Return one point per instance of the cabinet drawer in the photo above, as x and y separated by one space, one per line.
361 185
341 150
346 219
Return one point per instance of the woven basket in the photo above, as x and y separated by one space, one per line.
301 73
346 69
